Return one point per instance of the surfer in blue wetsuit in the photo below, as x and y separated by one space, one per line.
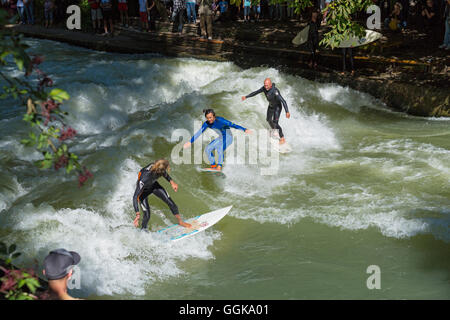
275 99
222 126
147 184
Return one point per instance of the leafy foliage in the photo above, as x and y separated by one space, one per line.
48 131
16 284
339 15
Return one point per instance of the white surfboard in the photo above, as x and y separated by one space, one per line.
200 223
301 37
275 143
353 42
281 148
210 170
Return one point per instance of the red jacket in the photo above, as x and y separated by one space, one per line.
94 4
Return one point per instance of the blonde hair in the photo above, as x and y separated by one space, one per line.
160 166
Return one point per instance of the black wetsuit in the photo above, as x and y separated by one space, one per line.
275 102
147 184
313 40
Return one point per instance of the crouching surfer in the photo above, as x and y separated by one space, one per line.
147 184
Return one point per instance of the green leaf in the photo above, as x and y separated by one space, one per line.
24 296
21 283
69 167
26 142
19 62
59 95
28 117
32 284
45 164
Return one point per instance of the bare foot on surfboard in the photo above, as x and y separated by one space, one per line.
185 224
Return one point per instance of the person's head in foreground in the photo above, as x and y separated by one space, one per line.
58 268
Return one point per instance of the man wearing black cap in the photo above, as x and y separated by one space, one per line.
58 268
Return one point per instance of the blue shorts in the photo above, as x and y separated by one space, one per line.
48 15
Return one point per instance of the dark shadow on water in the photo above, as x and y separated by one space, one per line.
433 246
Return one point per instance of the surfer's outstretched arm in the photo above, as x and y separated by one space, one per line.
232 124
199 132
253 93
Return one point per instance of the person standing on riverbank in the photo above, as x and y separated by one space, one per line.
446 44
344 59
223 7
123 11
206 19
20 11
107 16
393 22
246 5
147 184
48 13
257 9
58 268
429 18
178 14
313 38
143 14
29 11
276 102
96 15
152 14
191 14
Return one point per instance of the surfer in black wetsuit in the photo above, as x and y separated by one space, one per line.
275 102
147 184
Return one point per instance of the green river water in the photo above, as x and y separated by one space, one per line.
363 186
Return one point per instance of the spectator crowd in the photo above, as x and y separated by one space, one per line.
427 16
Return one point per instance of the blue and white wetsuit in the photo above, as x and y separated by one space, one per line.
221 126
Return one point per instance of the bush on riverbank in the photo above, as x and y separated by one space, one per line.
16 283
